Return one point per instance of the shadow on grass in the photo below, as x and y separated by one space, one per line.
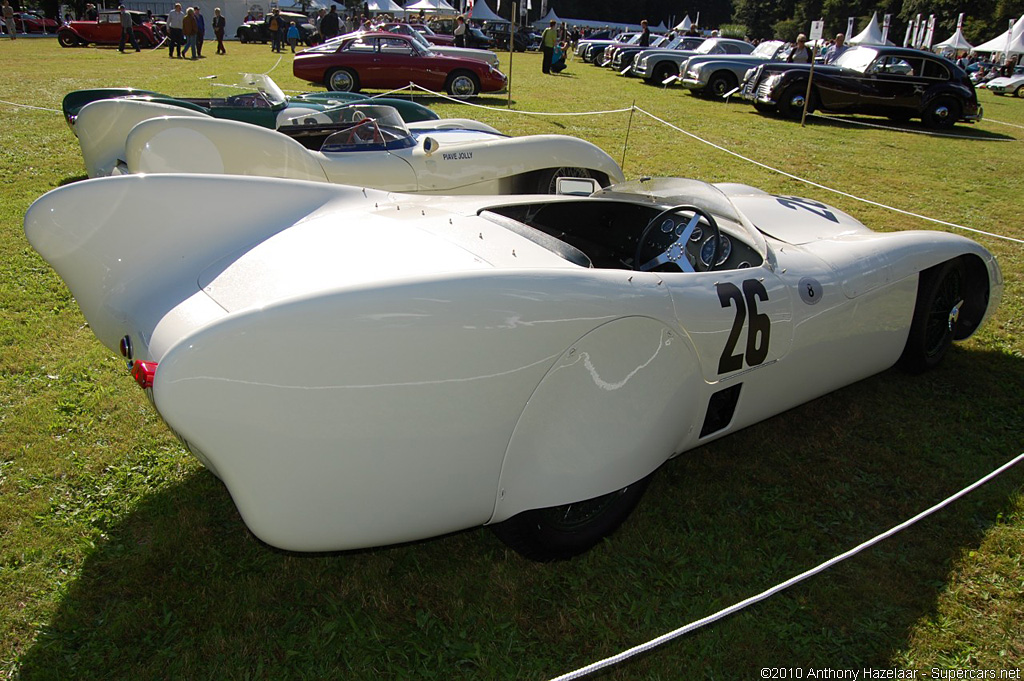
181 590
965 132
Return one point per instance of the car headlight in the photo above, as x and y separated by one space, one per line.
692 74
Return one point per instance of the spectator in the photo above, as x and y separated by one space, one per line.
175 36
460 31
200 31
275 24
9 20
330 24
126 30
91 13
293 36
218 30
189 28
645 35
800 54
558 58
837 48
548 40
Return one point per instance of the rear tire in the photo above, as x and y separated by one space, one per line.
561 532
941 113
663 71
941 291
1019 92
342 80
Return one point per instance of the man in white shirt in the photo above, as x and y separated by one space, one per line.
175 37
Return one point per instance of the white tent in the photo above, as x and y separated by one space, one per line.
871 35
481 12
685 24
389 6
431 6
551 16
998 44
660 28
955 42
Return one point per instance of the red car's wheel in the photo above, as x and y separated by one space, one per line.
67 39
342 80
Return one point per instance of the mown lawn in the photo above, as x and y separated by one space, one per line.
120 557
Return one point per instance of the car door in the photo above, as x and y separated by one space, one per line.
895 83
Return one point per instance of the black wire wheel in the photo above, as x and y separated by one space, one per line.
941 292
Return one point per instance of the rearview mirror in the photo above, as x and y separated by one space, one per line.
576 186
430 145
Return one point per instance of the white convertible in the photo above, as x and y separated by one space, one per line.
367 145
363 368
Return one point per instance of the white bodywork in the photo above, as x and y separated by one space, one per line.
454 156
364 368
1007 85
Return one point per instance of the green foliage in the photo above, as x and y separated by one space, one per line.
121 557
738 31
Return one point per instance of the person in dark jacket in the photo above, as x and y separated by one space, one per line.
218 30
329 24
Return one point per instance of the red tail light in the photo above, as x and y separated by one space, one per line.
143 373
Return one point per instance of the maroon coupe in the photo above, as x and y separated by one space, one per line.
385 61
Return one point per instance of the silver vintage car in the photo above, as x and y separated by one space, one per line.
715 75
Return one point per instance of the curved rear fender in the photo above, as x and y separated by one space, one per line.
609 412
209 145
103 127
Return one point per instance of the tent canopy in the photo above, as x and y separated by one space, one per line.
955 42
384 6
481 12
432 6
998 44
685 24
871 35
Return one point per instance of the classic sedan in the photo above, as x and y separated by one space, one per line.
715 75
898 82
106 30
259 32
375 148
655 66
387 61
363 368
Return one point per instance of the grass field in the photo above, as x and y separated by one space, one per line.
121 557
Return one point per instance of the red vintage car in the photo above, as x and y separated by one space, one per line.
106 30
386 61
26 22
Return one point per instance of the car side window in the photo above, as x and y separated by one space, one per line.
893 65
936 70
395 46
361 45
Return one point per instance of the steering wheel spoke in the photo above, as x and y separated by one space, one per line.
677 253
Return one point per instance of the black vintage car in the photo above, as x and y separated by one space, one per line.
897 82
259 32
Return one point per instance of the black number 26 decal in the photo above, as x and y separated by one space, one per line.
759 326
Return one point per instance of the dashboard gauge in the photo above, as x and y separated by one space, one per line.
743 265
707 250
697 234
668 226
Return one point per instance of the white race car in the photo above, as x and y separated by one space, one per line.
363 368
369 145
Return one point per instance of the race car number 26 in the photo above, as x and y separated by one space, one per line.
759 326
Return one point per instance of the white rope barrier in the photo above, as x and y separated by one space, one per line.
29 106
830 189
625 655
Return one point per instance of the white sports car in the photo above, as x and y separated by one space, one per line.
377 149
364 368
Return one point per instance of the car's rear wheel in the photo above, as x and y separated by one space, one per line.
462 84
67 39
561 532
243 37
720 83
942 113
791 103
1019 92
342 80
941 291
